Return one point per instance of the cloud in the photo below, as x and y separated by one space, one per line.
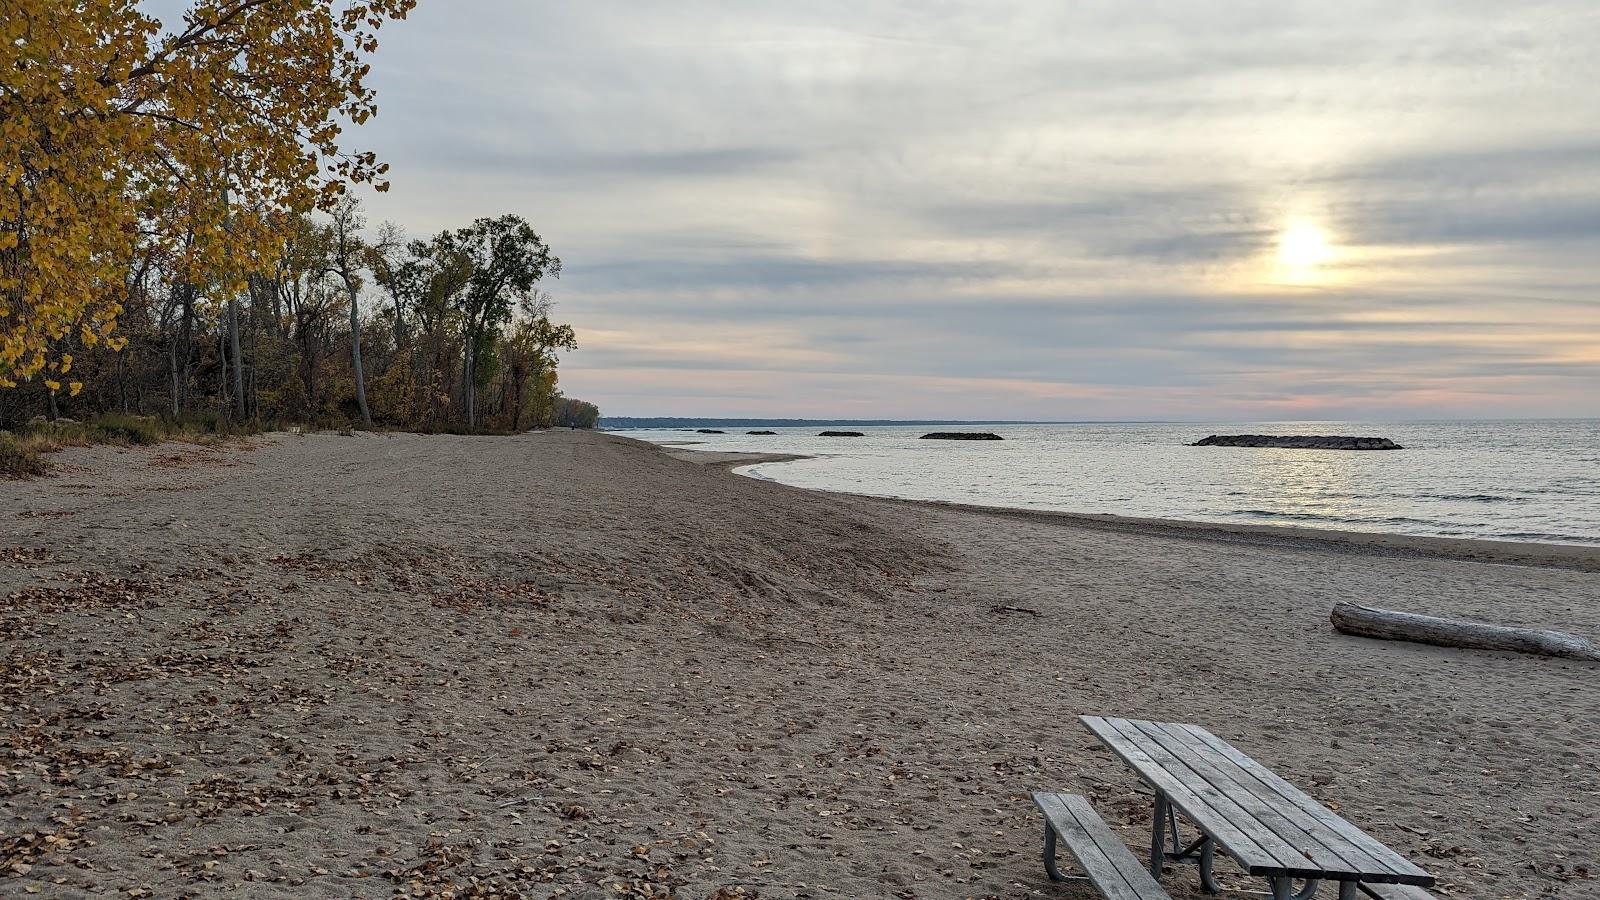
1028 209
769 272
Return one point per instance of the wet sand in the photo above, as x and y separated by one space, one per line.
573 665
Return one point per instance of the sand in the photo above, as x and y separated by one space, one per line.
572 665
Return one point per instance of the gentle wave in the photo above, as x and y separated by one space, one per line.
1520 481
1388 523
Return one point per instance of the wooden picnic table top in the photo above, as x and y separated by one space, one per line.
1266 824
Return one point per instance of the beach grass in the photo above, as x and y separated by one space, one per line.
22 457
24 453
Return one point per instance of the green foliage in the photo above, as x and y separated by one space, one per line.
507 258
577 414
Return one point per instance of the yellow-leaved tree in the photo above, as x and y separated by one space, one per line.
119 133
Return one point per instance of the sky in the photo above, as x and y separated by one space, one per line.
1029 210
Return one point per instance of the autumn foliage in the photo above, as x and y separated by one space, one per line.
198 142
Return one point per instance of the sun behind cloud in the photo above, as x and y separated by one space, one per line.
1302 246
1304 253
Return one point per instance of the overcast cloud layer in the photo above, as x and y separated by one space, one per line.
1029 209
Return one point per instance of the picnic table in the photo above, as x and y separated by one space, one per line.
1269 827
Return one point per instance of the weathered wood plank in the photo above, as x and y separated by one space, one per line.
1314 824
1289 857
1323 847
1108 862
1239 845
1255 848
1396 892
1403 869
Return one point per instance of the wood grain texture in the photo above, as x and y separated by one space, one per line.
1115 871
1269 826
1396 892
1392 625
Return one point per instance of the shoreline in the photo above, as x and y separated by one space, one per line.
726 459
1577 557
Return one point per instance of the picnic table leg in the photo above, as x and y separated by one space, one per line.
1050 854
1208 883
1164 832
1158 836
1347 890
1283 889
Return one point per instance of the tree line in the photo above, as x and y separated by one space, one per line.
444 333
178 236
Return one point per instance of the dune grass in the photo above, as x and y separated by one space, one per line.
21 457
23 453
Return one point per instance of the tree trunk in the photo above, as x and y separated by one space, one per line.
471 377
1388 625
238 356
172 366
539 411
186 336
254 407
469 374
355 351
222 368
516 398
436 377
308 371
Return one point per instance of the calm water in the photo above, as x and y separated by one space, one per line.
1522 481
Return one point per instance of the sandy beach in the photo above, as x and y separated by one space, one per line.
567 664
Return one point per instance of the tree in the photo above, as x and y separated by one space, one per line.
302 343
577 414
426 282
112 135
508 259
306 305
346 252
528 350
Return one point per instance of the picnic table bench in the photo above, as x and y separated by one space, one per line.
1269 827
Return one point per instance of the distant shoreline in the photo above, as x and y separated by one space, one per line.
667 423
632 423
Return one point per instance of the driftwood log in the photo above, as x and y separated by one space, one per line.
1389 625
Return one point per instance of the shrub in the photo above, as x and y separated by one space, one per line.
44 436
117 428
208 422
19 458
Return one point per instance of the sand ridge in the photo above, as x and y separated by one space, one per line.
568 664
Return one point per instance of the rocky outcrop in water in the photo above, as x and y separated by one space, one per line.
1298 442
842 434
961 436
760 432
708 431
